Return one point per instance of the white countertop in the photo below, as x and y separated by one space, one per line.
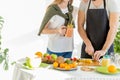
52 74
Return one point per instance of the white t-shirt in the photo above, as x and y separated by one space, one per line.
111 6
58 43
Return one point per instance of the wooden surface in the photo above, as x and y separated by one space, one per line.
94 63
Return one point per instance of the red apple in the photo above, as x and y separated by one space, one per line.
49 57
74 59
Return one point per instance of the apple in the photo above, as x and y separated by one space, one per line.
74 59
49 57
54 56
68 61
46 54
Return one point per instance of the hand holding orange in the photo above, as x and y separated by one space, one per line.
69 31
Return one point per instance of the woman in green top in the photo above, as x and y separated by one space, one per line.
58 15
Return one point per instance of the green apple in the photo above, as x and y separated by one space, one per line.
46 54
54 56
68 61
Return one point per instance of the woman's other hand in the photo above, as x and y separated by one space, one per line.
85 1
90 50
62 30
98 54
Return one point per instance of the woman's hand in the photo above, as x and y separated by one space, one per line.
98 54
90 50
85 1
62 30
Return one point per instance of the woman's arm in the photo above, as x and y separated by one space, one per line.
61 30
46 30
81 21
113 22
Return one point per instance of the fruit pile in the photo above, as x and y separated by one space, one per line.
67 64
49 58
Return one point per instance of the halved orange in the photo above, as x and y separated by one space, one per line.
39 54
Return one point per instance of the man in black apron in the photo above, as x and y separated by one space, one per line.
97 27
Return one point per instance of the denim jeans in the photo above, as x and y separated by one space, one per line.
63 54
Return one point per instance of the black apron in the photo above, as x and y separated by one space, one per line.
97 27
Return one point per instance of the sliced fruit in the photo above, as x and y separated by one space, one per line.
39 54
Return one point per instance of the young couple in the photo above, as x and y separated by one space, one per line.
99 17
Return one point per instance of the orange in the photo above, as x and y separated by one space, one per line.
74 64
67 67
65 64
112 68
39 54
55 64
71 65
62 65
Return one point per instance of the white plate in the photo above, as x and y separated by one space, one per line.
63 69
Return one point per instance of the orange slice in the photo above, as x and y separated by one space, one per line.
39 54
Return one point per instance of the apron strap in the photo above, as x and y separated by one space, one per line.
89 4
104 4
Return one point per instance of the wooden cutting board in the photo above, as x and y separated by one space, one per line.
91 63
